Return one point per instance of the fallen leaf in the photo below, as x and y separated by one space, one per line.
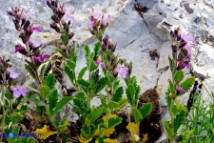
44 132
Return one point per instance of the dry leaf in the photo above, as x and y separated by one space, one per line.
44 132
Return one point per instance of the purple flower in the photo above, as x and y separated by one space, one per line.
121 70
182 64
98 62
68 18
12 73
19 48
18 91
180 89
36 28
41 58
105 19
35 43
96 15
91 24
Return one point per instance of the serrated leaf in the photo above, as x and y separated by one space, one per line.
91 65
69 73
95 114
65 38
97 50
117 96
101 84
52 99
50 81
62 53
130 91
83 84
178 76
113 105
82 72
71 64
187 83
116 85
63 102
145 109
178 120
137 115
42 71
112 122
87 51
44 91
73 54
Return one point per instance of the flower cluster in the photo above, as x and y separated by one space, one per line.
61 18
8 79
181 48
26 29
98 23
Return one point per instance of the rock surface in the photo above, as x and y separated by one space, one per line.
136 33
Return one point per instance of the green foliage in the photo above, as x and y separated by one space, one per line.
62 103
50 81
178 76
65 38
187 83
117 96
145 109
112 122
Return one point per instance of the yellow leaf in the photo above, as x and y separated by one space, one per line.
134 130
108 132
108 140
83 140
44 132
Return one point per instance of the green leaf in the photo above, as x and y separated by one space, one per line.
71 64
50 81
187 83
112 122
172 88
97 50
172 64
52 99
42 71
100 34
178 76
44 91
96 113
91 65
31 71
63 102
82 72
116 85
73 53
137 115
69 73
168 129
130 91
178 120
103 100
145 109
113 105
65 38
87 51
101 84
117 96
83 84
62 53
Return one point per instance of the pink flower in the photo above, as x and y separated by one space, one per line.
41 58
35 43
12 73
18 91
105 19
121 70
96 15
183 64
180 89
36 28
98 62
19 48
91 24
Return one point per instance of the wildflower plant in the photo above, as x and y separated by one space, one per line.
178 85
